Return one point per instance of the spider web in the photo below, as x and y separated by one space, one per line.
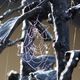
30 50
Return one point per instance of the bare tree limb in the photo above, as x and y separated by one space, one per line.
10 12
72 57
71 12
61 32
28 7
61 15
5 42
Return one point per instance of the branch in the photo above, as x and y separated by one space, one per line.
7 35
27 15
72 58
61 32
11 42
10 12
61 15
44 32
28 7
71 12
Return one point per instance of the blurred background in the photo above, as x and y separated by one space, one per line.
9 59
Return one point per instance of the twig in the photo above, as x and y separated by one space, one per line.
11 42
27 15
71 12
10 12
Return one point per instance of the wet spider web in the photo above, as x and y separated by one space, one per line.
36 55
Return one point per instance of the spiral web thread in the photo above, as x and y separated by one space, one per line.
31 49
